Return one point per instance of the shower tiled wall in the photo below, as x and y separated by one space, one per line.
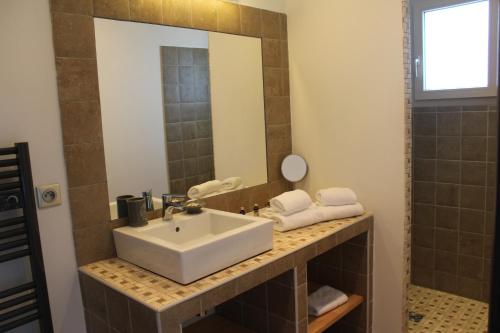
188 127
454 169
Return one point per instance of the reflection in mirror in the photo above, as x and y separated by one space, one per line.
179 107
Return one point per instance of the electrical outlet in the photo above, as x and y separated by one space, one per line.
48 195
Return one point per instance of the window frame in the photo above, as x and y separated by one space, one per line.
418 8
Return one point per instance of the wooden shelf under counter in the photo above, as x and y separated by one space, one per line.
323 322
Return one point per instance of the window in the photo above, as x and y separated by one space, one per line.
454 48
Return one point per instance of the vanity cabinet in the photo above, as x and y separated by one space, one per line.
266 293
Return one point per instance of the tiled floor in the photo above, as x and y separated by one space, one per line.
445 312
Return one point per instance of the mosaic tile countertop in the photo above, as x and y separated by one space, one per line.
445 312
160 293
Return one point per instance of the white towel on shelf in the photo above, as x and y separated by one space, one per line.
336 196
291 202
340 212
231 183
325 299
199 191
298 220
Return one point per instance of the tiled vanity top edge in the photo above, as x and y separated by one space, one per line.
109 270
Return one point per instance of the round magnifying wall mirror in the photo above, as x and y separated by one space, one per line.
294 168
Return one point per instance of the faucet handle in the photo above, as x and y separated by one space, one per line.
196 201
194 206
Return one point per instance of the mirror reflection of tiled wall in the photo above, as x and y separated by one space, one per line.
186 100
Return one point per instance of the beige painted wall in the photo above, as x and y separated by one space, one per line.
238 121
29 111
347 95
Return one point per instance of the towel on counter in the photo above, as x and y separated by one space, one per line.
231 183
336 196
301 219
325 299
291 202
341 212
199 191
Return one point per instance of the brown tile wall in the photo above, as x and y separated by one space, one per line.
268 308
109 311
453 198
188 126
74 46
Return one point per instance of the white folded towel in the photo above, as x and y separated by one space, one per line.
199 191
291 202
325 299
231 183
301 219
340 212
336 196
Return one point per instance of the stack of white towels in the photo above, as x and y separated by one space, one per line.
214 187
295 209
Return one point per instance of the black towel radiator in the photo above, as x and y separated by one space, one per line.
19 238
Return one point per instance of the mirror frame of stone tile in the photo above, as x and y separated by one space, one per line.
75 56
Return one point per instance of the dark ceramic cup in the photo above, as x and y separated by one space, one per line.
121 205
137 212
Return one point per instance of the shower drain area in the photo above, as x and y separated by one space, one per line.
439 312
415 317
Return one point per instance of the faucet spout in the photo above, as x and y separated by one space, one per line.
169 212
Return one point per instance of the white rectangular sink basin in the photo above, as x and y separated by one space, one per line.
190 247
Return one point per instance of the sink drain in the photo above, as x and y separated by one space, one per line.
415 317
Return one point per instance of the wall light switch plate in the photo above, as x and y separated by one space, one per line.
48 195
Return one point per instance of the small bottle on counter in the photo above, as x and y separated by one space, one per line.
242 211
256 209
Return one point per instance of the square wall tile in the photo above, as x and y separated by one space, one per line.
177 13
424 124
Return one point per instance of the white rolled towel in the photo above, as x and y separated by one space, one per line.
291 202
231 183
199 191
340 212
298 220
336 196
325 299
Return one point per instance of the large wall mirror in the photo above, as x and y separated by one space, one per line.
179 107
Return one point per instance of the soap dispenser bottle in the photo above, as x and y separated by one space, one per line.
256 209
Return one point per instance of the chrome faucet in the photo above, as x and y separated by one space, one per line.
169 200
169 212
193 206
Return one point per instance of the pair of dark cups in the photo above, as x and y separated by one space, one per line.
132 207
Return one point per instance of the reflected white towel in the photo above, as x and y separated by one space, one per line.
340 212
231 183
291 202
336 196
298 220
199 191
325 299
